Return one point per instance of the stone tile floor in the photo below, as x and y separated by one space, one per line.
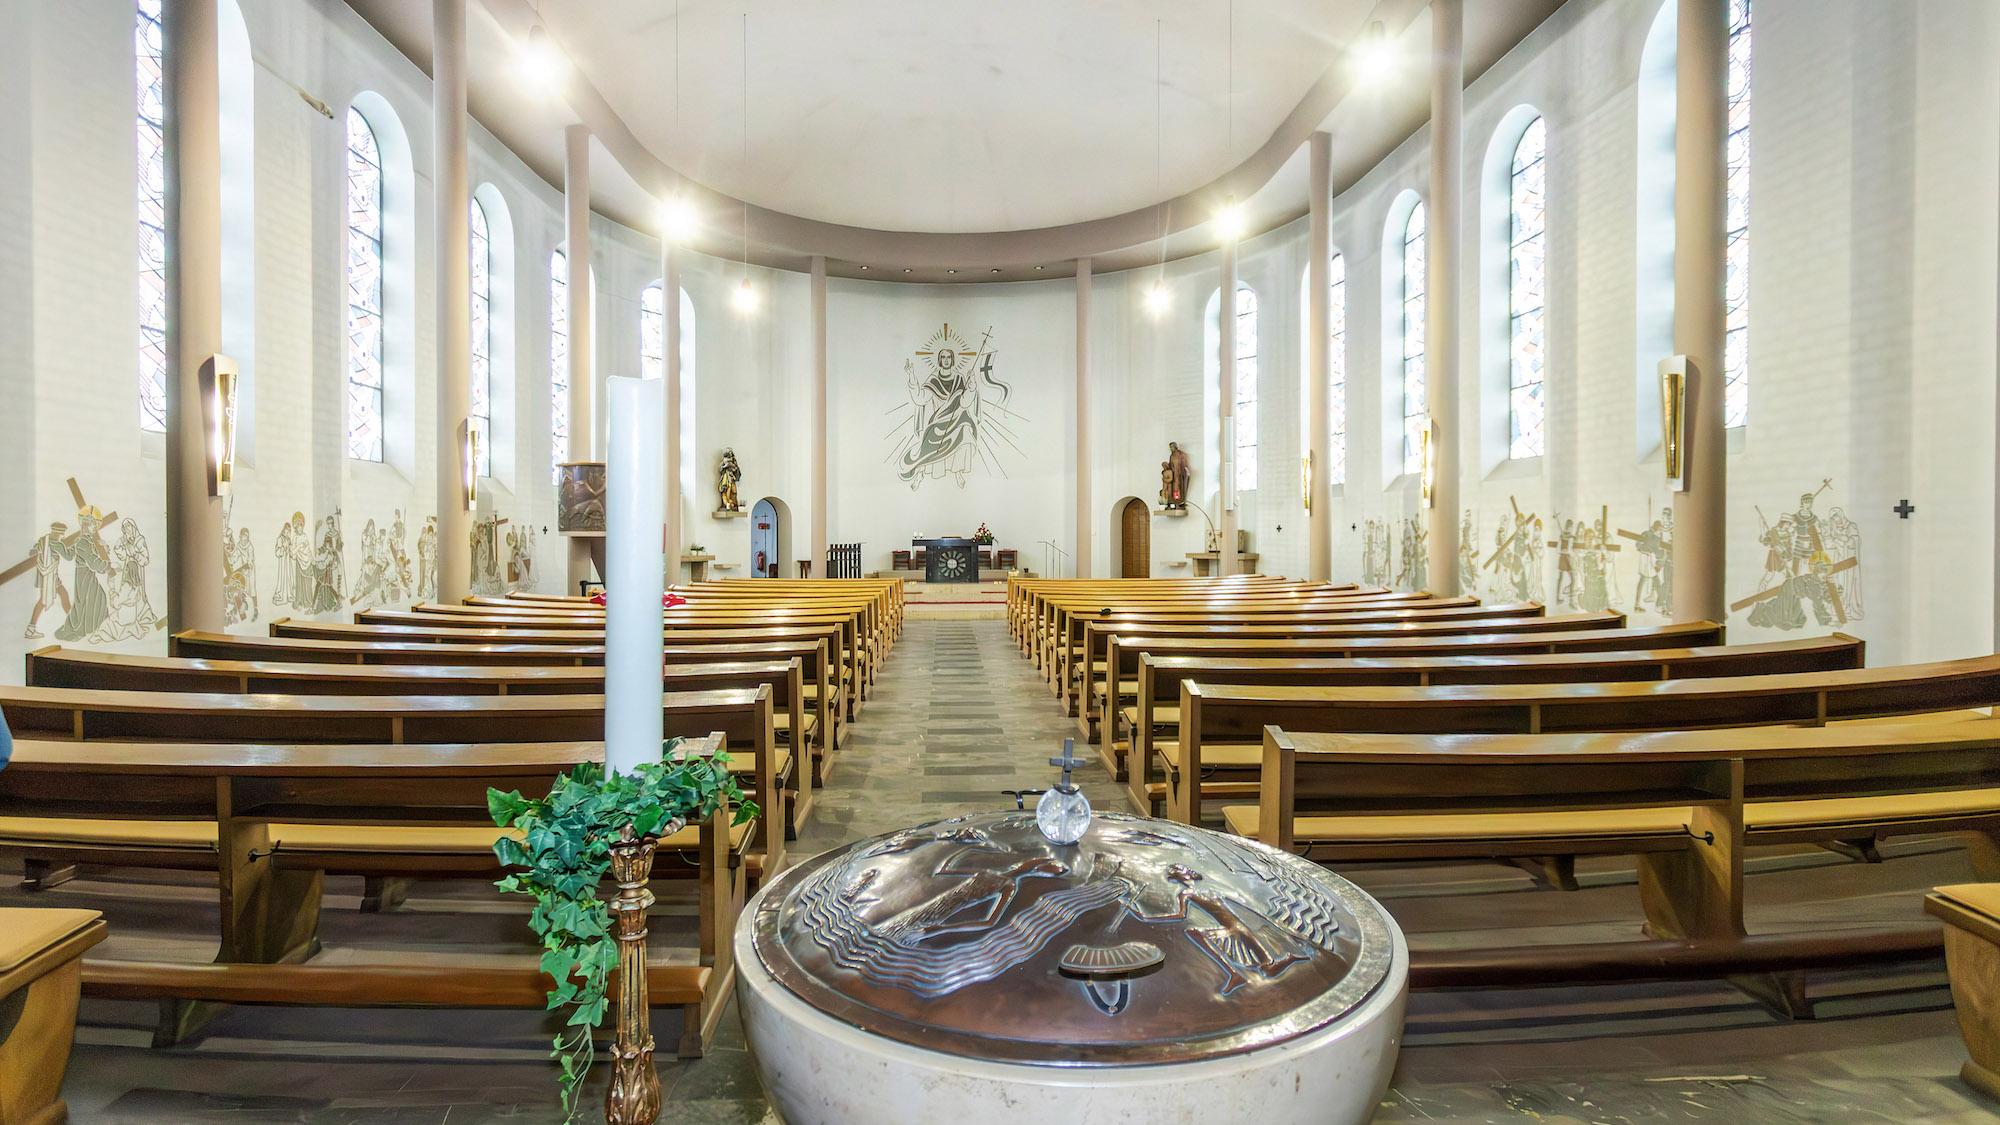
959 717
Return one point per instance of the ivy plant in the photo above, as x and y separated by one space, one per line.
563 853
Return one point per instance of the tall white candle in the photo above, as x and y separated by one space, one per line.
635 576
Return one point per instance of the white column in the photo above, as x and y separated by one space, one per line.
582 393
1319 358
1701 66
453 196
670 306
194 310
1226 474
820 533
1442 276
1083 507
634 508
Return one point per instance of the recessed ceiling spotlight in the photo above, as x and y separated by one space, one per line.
1040 268
864 267
996 269
951 271
678 219
1373 56
906 269
541 62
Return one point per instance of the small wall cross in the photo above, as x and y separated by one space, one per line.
1903 509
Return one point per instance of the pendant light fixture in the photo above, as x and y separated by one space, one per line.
1157 298
745 299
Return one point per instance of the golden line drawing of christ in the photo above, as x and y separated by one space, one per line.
955 417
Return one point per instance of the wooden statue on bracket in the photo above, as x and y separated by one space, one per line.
1175 472
728 475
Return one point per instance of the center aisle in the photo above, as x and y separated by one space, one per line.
957 717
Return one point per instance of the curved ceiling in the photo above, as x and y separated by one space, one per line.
948 140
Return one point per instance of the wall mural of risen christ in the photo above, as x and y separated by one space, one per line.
956 416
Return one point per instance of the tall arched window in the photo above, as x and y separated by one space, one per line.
482 335
1336 358
1246 388
150 57
364 290
1736 299
652 333
1416 411
1526 292
653 362
558 362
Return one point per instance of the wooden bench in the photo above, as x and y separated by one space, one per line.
1971 916
1122 656
41 974
272 820
55 666
1686 803
1218 748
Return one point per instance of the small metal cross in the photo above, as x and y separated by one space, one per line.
1903 509
1068 761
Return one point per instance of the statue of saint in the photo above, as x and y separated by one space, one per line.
1174 474
727 477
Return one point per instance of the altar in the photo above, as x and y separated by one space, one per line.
953 559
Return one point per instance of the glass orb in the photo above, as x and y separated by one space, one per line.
1063 817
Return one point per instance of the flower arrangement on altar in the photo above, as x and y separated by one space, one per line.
983 537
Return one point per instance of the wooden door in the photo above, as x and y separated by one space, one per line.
1135 538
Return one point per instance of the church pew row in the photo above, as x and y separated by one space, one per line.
795 724
1026 595
852 676
886 593
825 689
1217 751
1123 654
417 722
1093 675
1067 620
1153 715
1686 803
843 667
273 820
880 613
1053 613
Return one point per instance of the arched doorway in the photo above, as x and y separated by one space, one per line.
770 537
1132 531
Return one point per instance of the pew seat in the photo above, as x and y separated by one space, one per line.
1971 916
41 978
292 842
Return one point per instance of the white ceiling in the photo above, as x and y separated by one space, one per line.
951 134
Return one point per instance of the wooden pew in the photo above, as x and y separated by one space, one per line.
1154 713
1686 803
41 971
1123 653
824 685
272 820
1217 751
1095 676
1060 640
55 666
744 716
1054 613
1971 916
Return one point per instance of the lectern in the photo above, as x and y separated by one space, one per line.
950 560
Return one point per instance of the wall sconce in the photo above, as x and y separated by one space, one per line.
1676 371
218 420
1306 481
468 462
1427 476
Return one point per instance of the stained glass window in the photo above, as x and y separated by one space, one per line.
364 290
558 362
1416 413
148 41
482 336
652 333
1736 291
1526 290
1336 358
1246 388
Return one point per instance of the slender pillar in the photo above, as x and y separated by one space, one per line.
453 195
584 553
1441 287
1083 508
670 314
1701 66
1226 474
194 310
1319 360
820 533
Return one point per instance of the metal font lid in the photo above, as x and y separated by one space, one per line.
1144 942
